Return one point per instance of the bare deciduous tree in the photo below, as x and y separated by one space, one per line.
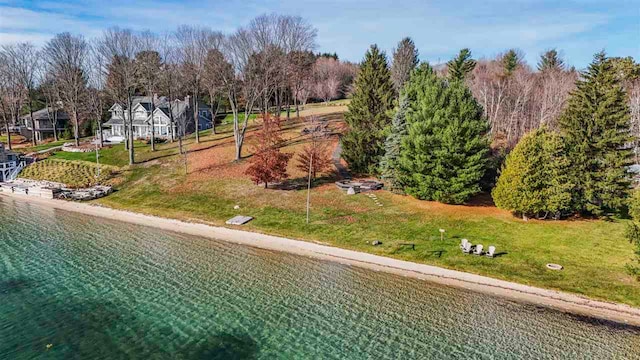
217 70
67 56
242 89
49 90
12 92
148 64
300 66
170 83
118 48
515 98
405 59
97 89
194 44
23 61
330 78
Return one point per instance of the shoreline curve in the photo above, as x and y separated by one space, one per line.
558 300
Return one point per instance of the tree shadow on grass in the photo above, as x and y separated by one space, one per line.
301 183
482 199
435 253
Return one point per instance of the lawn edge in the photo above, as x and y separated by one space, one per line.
559 300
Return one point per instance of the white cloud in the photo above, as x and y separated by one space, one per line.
36 38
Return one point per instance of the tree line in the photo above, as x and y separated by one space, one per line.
268 65
443 134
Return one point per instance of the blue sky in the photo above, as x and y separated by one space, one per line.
348 27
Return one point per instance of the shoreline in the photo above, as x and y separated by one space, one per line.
558 300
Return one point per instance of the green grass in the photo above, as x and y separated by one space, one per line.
72 173
593 252
43 146
115 155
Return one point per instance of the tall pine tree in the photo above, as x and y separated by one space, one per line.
510 61
444 154
460 66
550 61
595 126
369 114
389 164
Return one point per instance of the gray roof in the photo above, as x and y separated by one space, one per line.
42 114
178 107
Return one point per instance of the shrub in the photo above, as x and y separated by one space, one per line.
535 179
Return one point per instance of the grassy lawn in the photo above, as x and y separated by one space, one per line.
41 146
593 252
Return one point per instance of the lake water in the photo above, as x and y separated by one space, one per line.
73 286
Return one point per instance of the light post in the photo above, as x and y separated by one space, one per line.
309 186
97 160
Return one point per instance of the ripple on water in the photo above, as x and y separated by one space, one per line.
101 289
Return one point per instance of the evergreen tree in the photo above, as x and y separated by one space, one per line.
557 171
389 164
535 180
460 66
551 61
405 59
444 155
595 125
626 69
510 61
368 116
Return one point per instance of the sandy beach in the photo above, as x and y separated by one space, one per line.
555 299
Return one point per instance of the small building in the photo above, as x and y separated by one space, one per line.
43 124
9 163
180 111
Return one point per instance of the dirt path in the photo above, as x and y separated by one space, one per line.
342 170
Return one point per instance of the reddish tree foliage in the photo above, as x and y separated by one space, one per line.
316 156
268 164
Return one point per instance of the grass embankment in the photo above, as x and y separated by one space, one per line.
594 253
75 174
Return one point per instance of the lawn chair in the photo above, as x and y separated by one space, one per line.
467 248
492 251
478 250
463 243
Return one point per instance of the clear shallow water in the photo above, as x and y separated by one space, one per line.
97 289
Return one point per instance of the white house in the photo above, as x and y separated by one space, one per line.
164 128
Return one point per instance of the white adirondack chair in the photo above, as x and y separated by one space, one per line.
478 250
491 252
463 243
